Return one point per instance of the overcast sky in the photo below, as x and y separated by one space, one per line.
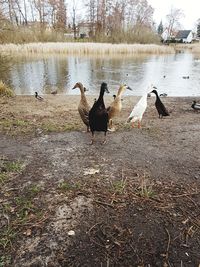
191 9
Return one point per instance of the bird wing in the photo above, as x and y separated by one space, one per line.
139 109
161 106
197 105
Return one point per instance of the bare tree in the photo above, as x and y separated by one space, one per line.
173 20
139 12
74 8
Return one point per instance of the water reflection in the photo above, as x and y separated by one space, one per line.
61 72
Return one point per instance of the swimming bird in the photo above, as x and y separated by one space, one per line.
98 115
139 109
83 107
195 105
186 77
38 97
115 107
162 111
163 94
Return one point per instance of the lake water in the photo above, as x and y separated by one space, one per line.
61 72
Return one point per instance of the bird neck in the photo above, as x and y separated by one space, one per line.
83 97
156 93
120 91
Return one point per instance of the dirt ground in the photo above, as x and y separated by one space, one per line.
134 201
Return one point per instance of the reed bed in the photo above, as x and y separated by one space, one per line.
85 48
194 48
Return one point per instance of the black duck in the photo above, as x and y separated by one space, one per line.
162 111
98 115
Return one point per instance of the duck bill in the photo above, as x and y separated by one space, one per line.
85 89
106 90
129 88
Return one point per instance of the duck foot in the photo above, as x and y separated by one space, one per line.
111 129
104 142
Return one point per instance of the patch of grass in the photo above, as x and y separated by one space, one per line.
55 127
145 188
7 236
33 190
13 166
64 186
5 90
9 123
15 127
24 206
50 127
5 260
20 123
3 177
119 186
71 127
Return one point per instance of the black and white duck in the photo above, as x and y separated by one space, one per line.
195 105
38 97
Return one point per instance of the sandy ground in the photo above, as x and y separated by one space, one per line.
131 202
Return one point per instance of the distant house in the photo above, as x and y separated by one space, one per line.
185 36
84 29
166 36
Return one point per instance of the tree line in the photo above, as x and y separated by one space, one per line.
109 20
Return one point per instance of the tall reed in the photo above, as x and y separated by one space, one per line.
85 48
194 48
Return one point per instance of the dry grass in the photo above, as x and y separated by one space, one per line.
85 48
5 90
194 48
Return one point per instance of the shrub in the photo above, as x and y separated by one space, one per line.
5 90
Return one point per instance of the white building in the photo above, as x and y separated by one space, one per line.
185 36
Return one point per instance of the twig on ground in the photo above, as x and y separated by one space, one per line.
93 227
104 203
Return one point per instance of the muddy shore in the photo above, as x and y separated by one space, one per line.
134 201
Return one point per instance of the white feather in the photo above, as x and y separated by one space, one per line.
140 107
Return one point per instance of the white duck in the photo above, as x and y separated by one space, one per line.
139 109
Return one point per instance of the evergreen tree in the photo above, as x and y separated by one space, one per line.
160 28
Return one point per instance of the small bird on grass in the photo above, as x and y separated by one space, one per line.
40 98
